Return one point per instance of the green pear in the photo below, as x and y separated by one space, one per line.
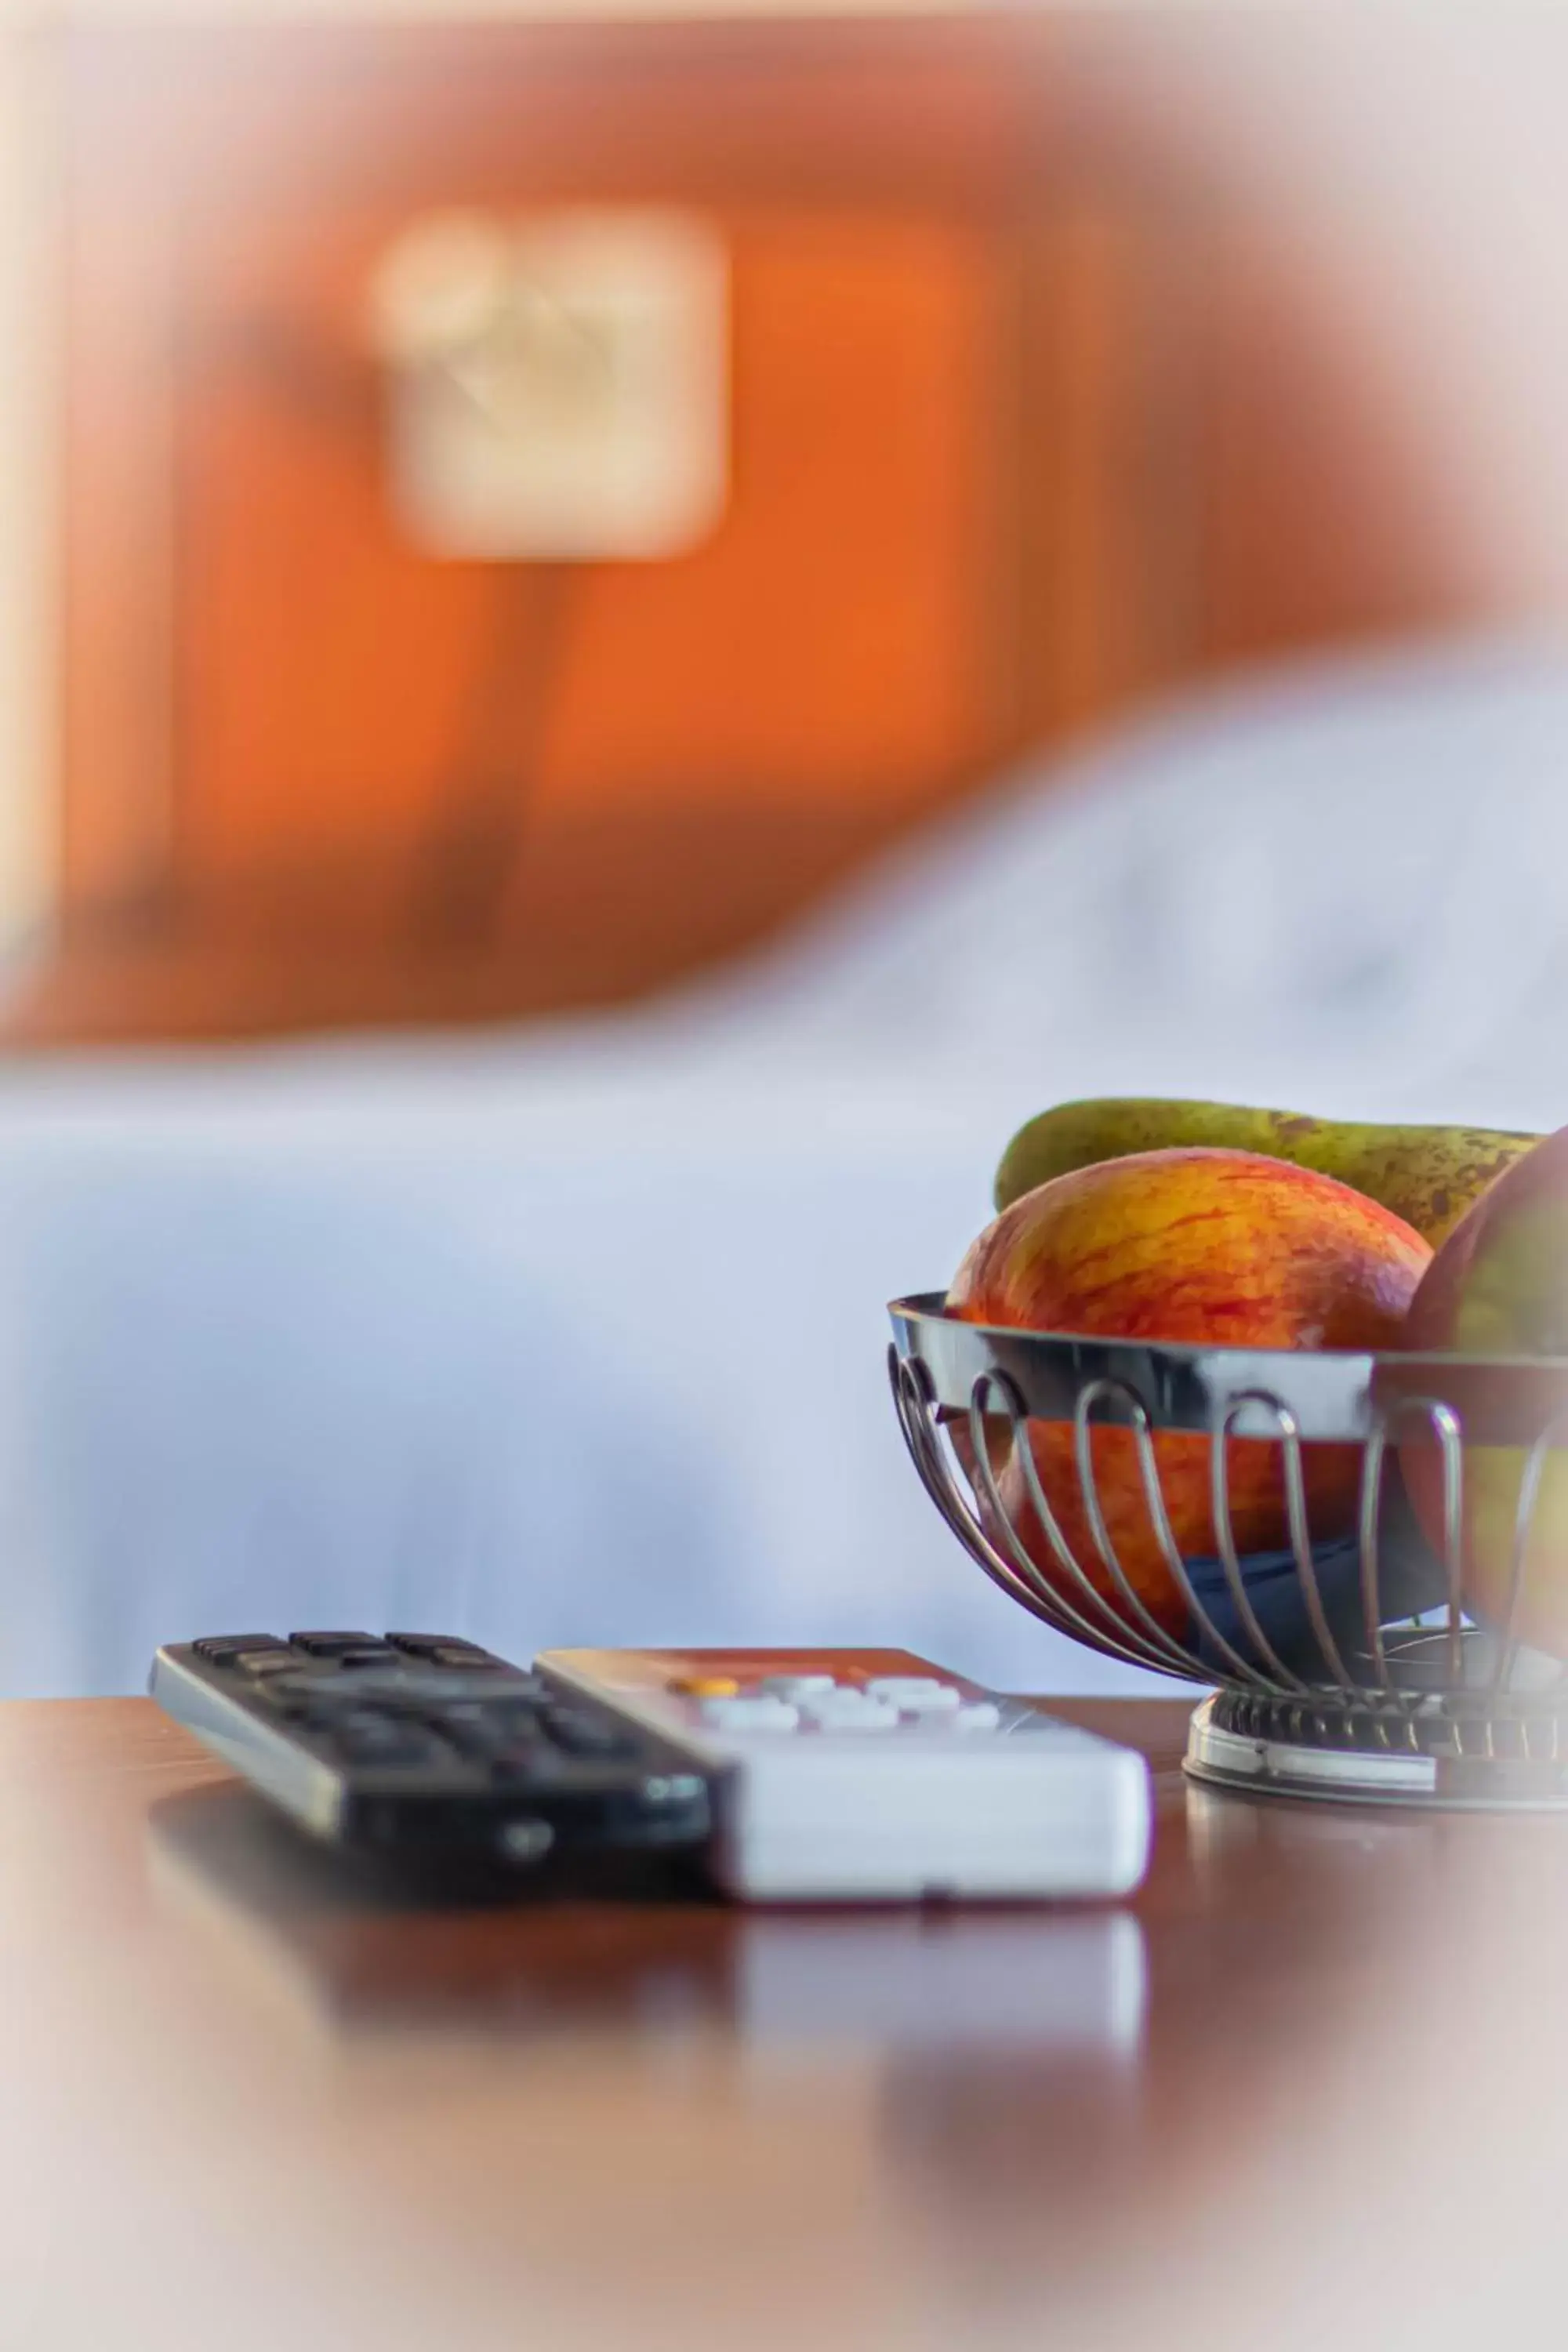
1427 1175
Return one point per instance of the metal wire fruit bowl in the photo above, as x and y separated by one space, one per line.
1346 1662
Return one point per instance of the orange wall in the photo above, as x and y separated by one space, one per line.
1029 422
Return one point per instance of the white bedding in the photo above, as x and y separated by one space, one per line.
578 1336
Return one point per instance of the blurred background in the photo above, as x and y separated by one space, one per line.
992 374
623 637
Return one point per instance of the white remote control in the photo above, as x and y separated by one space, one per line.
872 1776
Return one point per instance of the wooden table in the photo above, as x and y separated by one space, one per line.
1308 2089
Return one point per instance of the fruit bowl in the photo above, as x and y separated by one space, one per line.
1345 1664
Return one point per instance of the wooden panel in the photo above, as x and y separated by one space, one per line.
289 727
599 911
1033 418
829 639
1321 521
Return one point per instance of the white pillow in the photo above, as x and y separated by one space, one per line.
1344 888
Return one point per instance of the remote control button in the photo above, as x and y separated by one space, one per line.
222 1649
848 1711
333 1645
483 1730
372 1740
796 1686
525 1840
672 1788
582 1733
291 1707
260 1663
530 1759
979 1714
508 1688
914 1695
443 1649
485 1744
763 1713
399 1683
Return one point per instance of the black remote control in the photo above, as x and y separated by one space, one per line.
421 1744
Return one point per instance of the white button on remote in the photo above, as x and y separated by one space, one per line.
848 1710
796 1686
914 1697
759 1714
980 1715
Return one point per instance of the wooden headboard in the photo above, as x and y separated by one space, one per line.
1031 420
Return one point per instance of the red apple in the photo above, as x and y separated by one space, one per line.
1213 1248
1498 1286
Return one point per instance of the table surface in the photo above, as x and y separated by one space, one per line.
1317 2061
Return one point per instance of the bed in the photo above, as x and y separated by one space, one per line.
576 1334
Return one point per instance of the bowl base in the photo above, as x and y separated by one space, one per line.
1509 1756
